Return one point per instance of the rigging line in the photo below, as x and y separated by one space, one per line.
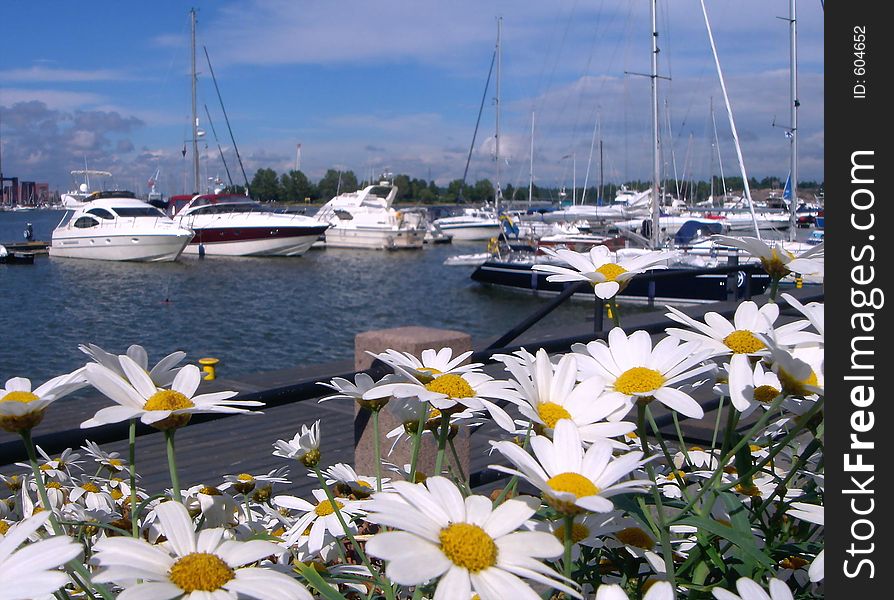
219 149
477 123
227 120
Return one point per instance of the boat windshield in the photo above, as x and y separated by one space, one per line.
230 207
138 211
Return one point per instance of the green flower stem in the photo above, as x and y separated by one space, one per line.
664 449
417 441
77 571
613 307
357 548
774 288
717 424
172 464
569 543
727 454
443 432
377 449
132 458
513 481
459 467
663 530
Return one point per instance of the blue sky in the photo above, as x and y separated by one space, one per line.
396 85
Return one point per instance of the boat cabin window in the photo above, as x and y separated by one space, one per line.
344 215
138 211
101 213
86 222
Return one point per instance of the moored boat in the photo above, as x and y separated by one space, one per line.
117 226
231 225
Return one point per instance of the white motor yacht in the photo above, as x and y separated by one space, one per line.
115 225
472 224
366 219
232 225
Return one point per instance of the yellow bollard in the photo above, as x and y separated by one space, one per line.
208 365
608 310
799 281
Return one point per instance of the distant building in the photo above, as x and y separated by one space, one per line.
23 193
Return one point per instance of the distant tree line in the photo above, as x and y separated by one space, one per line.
294 186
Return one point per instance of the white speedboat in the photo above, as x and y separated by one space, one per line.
117 226
231 225
472 224
366 219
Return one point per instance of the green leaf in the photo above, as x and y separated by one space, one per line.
317 581
745 542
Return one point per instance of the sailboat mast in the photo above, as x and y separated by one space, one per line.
531 170
656 211
499 191
195 119
732 123
793 69
717 146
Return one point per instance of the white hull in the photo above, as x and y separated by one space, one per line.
139 248
376 239
471 232
282 246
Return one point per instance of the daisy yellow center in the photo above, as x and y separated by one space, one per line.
90 487
325 508
765 394
167 400
245 477
579 532
200 572
4 527
636 537
468 546
794 386
611 271
639 380
550 413
426 374
54 484
742 341
116 462
452 386
573 483
116 494
363 484
793 562
23 397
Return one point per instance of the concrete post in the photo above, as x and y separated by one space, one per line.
413 340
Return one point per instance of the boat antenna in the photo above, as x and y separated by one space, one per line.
732 122
477 123
656 167
195 118
498 193
219 149
793 68
226 119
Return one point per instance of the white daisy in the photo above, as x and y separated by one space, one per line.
22 409
138 396
92 496
320 518
162 374
759 388
347 481
634 371
304 447
800 371
244 483
661 590
776 260
191 565
357 389
468 544
429 363
452 392
750 590
607 274
109 460
573 480
814 311
816 514
32 570
550 392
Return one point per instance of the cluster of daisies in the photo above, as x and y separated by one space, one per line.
602 495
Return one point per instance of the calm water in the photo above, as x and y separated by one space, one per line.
255 314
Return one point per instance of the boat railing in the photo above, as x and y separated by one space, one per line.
310 388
